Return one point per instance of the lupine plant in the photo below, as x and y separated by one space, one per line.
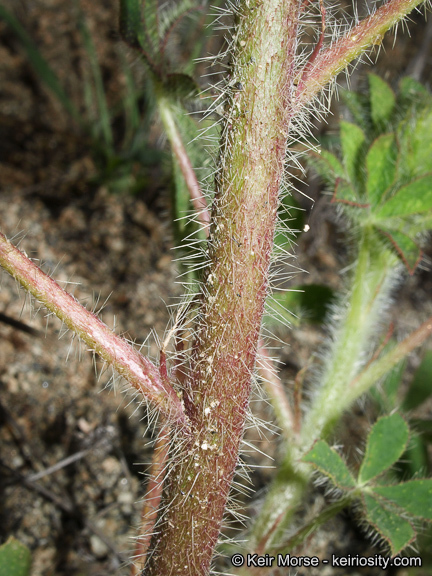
201 387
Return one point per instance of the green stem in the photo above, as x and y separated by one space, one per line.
371 284
370 292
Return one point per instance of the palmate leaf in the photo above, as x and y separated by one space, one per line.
386 443
397 531
414 496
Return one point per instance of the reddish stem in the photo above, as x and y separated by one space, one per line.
151 500
137 370
369 32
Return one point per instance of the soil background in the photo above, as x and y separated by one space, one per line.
116 249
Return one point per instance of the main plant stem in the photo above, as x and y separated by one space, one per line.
240 244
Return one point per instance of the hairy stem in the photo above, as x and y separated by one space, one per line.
330 61
240 244
371 287
129 363
152 500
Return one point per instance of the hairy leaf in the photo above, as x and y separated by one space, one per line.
414 496
331 464
382 101
386 443
381 167
397 531
414 198
353 141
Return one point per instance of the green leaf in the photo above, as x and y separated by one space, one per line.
381 167
152 26
406 249
412 93
382 101
397 531
15 558
173 14
414 461
386 443
415 143
414 496
353 141
43 70
331 464
414 198
421 386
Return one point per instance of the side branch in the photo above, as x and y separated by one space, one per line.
367 33
179 151
129 363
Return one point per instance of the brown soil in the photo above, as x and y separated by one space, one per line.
115 249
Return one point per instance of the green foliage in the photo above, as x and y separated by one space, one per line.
389 508
415 460
384 181
386 443
328 462
15 558
397 531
